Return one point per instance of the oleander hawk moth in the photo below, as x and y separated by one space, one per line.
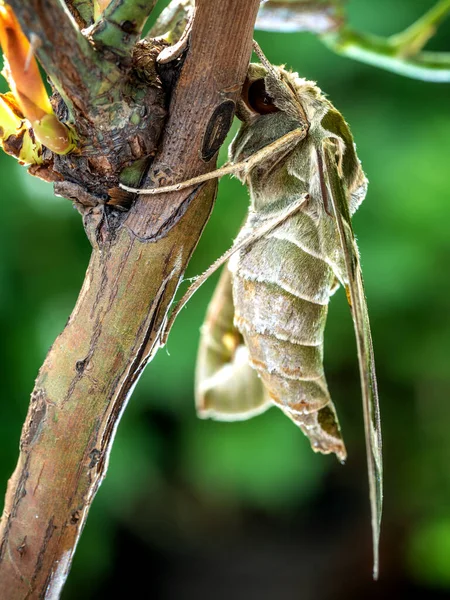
262 341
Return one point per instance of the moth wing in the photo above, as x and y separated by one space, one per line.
356 297
227 387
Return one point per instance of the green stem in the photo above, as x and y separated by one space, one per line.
380 52
82 11
400 53
121 23
413 39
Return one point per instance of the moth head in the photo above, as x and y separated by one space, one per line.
268 90
269 109
275 102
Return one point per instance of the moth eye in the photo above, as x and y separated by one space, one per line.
258 99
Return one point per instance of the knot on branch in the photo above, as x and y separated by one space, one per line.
118 135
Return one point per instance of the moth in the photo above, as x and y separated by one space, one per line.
262 341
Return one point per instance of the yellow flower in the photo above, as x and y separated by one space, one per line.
16 136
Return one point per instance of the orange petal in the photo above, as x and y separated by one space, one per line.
21 68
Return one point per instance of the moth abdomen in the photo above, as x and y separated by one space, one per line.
282 316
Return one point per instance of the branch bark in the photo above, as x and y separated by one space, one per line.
88 375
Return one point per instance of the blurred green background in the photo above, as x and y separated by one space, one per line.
198 509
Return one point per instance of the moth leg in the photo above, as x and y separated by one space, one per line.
265 61
239 244
290 140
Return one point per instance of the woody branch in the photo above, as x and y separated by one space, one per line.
136 264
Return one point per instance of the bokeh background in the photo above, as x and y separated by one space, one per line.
199 509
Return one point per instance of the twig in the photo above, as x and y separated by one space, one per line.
411 41
120 25
82 11
172 21
380 52
401 53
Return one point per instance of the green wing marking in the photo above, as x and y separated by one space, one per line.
356 297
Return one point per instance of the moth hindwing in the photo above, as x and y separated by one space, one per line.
296 154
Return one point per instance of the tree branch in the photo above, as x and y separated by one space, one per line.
173 19
82 11
136 265
120 25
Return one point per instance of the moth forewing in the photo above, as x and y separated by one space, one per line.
226 386
356 296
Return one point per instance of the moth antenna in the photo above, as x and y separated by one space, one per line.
264 60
